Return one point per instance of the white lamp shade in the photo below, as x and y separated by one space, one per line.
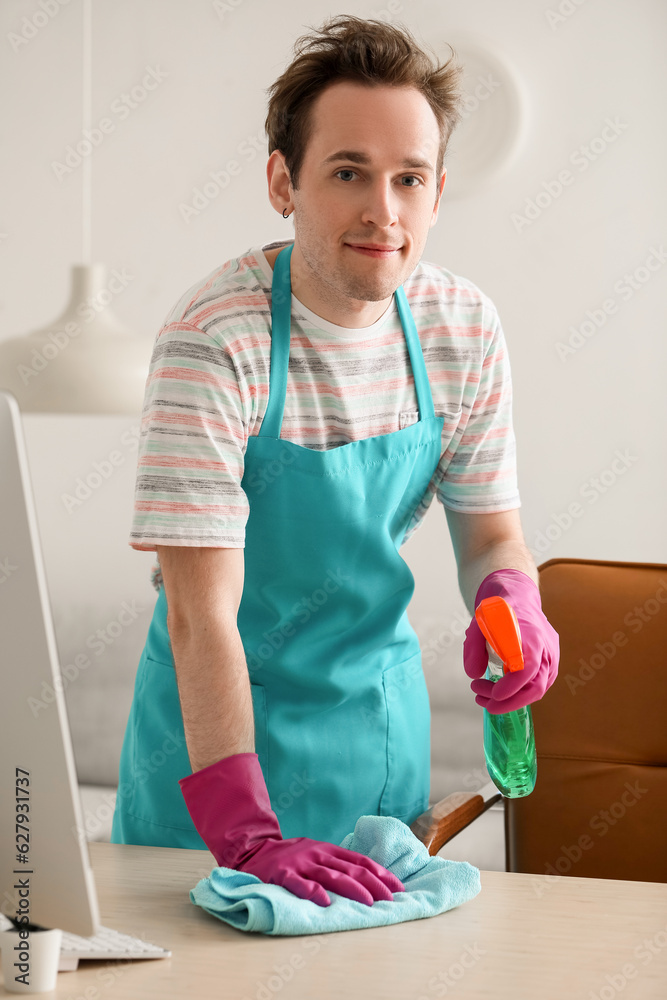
86 361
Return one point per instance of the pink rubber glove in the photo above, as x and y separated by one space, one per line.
541 647
230 807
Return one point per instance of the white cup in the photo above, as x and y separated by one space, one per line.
34 959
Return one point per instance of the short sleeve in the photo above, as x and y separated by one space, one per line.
191 450
481 475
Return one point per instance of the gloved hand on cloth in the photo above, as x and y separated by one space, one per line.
539 641
230 807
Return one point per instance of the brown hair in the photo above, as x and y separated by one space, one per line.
372 53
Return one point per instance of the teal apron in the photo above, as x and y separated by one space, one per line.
341 708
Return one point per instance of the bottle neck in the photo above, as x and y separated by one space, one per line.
495 669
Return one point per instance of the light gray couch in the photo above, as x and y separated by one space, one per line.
98 702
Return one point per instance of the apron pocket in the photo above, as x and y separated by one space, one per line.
160 754
406 792
159 751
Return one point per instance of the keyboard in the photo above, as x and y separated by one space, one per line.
107 943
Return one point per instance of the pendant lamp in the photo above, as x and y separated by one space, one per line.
86 360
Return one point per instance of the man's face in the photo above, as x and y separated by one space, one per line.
381 201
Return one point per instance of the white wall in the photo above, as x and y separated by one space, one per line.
604 60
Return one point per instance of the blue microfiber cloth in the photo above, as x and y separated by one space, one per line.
432 885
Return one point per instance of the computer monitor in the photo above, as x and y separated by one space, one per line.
45 870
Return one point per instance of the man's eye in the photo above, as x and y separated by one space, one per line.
413 177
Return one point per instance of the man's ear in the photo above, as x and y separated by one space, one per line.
278 180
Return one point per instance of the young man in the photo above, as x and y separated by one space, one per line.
304 404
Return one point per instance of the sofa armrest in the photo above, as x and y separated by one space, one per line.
97 803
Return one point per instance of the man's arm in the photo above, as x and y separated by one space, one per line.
484 543
204 588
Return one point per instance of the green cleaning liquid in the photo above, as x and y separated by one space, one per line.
509 744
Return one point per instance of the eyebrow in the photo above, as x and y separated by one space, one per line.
354 156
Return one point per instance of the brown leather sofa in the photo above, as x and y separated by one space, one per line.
599 807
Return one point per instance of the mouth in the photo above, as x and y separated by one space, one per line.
374 249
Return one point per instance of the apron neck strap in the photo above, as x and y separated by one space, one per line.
281 314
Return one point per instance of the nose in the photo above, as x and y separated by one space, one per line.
380 205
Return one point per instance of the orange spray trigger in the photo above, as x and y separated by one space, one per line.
500 628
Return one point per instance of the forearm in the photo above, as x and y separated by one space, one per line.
501 555
214 692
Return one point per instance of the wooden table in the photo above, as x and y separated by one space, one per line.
523 936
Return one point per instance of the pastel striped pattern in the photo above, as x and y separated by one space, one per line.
208 385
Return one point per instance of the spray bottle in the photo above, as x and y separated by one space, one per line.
509 740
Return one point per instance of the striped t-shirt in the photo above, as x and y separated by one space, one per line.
208 388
